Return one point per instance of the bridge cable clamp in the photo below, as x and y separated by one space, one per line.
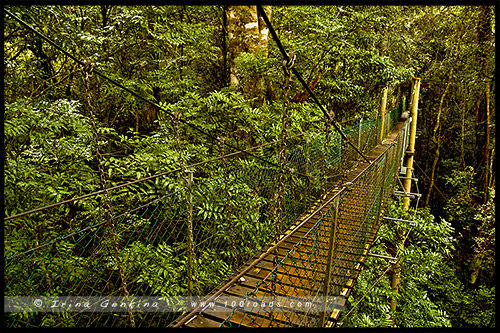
412 178
406 194
289 63
411 223
349 186
392 260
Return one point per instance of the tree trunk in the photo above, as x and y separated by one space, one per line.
264 31
477 261
104 14
243 35
487 172
247 33
224 47
483 132
462 139
433 173
45 62
490 168
304 95
435 138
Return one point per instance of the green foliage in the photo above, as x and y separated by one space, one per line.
427 251
431 293
159 268
460 208
343 44
484 242
475 224
47 154
176 57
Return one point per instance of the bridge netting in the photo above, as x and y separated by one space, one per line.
307 272
189 241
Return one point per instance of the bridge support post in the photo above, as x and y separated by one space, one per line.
360 128
190 242
307 170
331 247
411 144
396 275
382 113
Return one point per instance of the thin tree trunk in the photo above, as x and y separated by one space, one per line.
477 261
492 157
487 143
462 140
435 139
433 173
225 72
483 33
104 14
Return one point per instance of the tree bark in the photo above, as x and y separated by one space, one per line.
105 15
492 158
462 139
45 62
304 95
247 33
243 35
433 173
488 170
225 72
483 132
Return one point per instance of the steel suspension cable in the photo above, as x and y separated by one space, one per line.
304 84
87 73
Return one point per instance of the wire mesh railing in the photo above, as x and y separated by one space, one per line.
146 251
320 264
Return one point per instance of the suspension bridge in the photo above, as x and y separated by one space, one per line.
294 218
319 254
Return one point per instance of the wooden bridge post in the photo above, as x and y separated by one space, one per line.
190 242
382 113
308 178
360 127
331 247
